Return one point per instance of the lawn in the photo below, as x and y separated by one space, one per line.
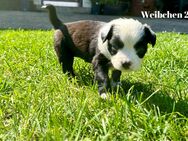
38 102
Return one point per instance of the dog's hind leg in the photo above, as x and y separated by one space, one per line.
67 60
64 55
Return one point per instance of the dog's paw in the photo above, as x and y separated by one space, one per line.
104 96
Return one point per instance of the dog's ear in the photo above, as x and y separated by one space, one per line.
107 33
150 35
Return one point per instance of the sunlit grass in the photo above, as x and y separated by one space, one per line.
37 101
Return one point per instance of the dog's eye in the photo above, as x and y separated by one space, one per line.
112 49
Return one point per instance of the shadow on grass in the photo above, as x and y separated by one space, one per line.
85 76
162 99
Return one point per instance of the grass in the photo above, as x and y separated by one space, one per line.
38 102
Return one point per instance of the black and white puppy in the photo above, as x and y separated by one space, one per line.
119 45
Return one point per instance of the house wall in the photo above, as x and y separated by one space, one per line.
10 4
24 5
29 5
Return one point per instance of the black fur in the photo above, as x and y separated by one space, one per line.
114 44
141 45
150 38
108 36
66 57
66 50
80 39
101 68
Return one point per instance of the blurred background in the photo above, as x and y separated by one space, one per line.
101 7
27 14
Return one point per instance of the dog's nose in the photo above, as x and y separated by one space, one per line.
126 65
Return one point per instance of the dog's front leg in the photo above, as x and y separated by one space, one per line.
101 75
116 74
102 79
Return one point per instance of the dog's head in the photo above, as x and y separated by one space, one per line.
124 43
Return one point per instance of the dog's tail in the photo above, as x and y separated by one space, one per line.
55 21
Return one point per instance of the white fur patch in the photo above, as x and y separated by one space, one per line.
126 55
129 31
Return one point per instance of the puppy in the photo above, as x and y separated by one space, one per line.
119 45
